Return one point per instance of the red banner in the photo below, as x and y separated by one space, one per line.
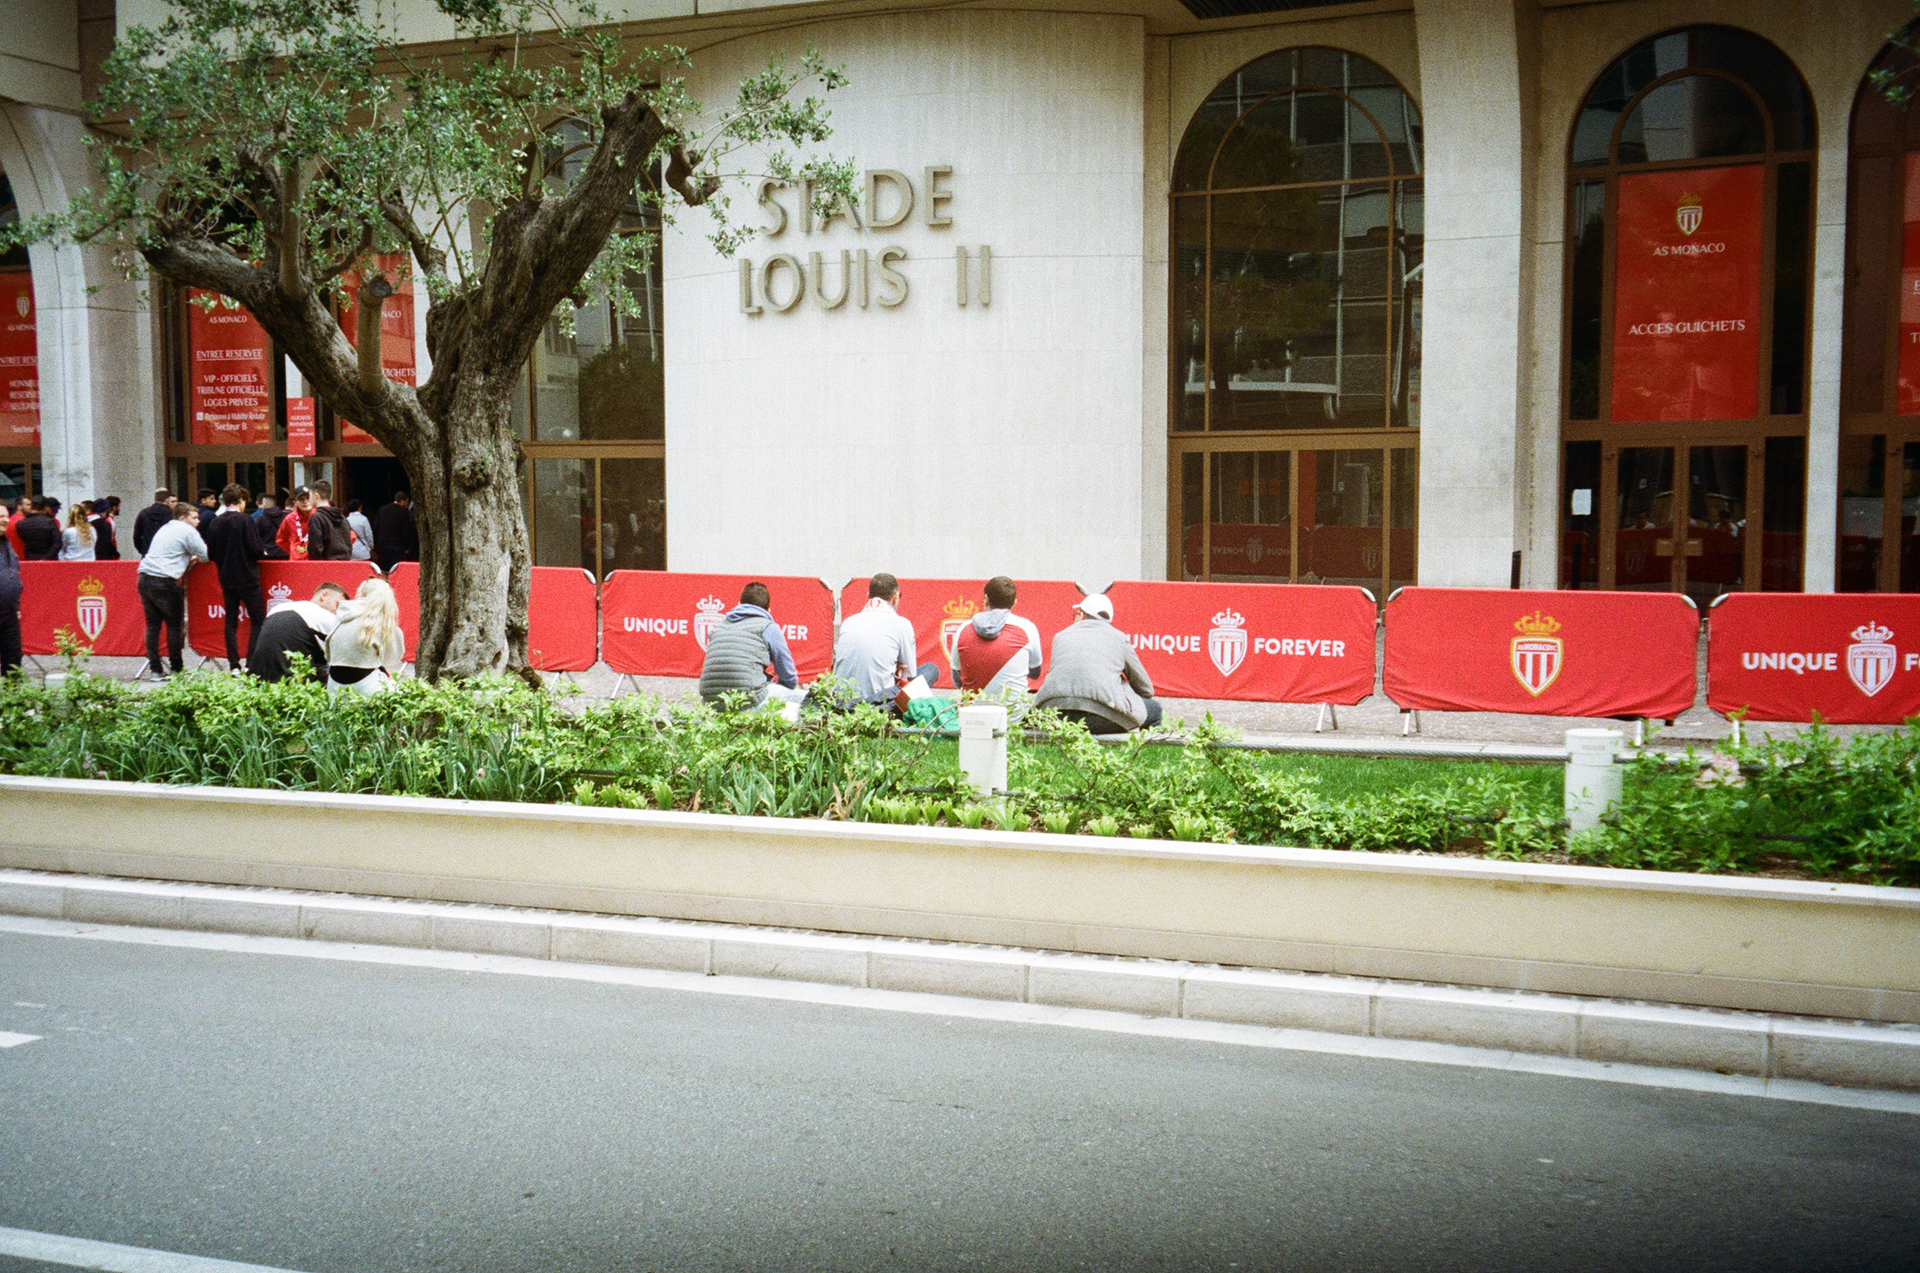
300 430
397 361
232 372
1851 658
279 580
1686 299
563 616
1542 653
19 362
1268 643
655 622
939 608
97 601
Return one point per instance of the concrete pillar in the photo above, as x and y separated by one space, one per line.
99 417
1823 390
1476 107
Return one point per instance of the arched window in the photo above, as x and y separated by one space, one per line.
1297 225
1689 200
1880 377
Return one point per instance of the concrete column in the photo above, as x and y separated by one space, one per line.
1823 391
99 416
1476 106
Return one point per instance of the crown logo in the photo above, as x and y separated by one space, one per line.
1689 200
91 587
1228 618
710 605
960 609
1872 632
280 591
1537 625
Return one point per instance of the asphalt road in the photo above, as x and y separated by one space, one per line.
320 1116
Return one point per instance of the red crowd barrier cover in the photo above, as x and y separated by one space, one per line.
1853 657
1542 653
562 615
1278 643
656 621
279 580
97 601
939 608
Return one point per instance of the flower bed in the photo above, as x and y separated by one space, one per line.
1813 805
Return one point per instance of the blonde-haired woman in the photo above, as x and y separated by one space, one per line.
77 540
366 649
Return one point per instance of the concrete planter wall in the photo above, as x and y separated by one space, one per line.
1767 945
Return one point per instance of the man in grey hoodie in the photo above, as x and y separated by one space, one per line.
739 650
1096 677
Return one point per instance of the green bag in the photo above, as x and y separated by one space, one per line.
932 713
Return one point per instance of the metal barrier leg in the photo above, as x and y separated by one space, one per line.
1327 713
1409 723
1738 734
1640 732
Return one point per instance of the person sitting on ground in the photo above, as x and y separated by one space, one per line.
997 655
77 541
367 647
875 652
329 538
161 581
151 519
395 537
39 532
291 538
234 543
1097 678
362 531
106 543
296 627
739 650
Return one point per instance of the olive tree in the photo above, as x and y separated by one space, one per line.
271 150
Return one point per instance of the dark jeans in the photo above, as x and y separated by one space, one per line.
10 657
1101 725
165 601
256 611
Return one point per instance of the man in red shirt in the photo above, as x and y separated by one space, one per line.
998 653
13 524
292 535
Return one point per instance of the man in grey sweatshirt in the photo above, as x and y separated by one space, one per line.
1096 678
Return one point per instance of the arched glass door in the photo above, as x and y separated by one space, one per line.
1293 427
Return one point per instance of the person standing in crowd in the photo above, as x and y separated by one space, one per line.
77 540
367 648
876 648
328 536
997 655
10 654
106 542
163 590
21 507
395 538
739 650
40 532
151 519
1097 678
235 546
208 502
291 537
268 516
362 531
296 627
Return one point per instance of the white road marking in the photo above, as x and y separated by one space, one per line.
111 1257
919 1004
15 1040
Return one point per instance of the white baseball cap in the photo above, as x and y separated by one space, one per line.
1095 606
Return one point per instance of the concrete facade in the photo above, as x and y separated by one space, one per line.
1029 432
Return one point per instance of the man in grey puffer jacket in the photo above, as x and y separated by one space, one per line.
739 650
1096 678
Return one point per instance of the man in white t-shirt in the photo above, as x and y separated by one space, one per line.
876 649
998 653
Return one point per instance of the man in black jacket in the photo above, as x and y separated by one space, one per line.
234 547
39 532
9 608
151 519
329 538
395 538
297 627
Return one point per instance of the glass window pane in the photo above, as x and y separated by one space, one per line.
1783 534
1759 64
1192 508
563 526
1863 464
1910 518
1189 314
1694 117
1875 190
1589 283
1252 528
1343 542
1643 533
1793 212
1580 516
1716 521
633 515
1404 533
1409 286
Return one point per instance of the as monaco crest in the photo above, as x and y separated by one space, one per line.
281 591
712 611
958 613
91 606
1227 643
1871 659
1537 653
1689 214
21 303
